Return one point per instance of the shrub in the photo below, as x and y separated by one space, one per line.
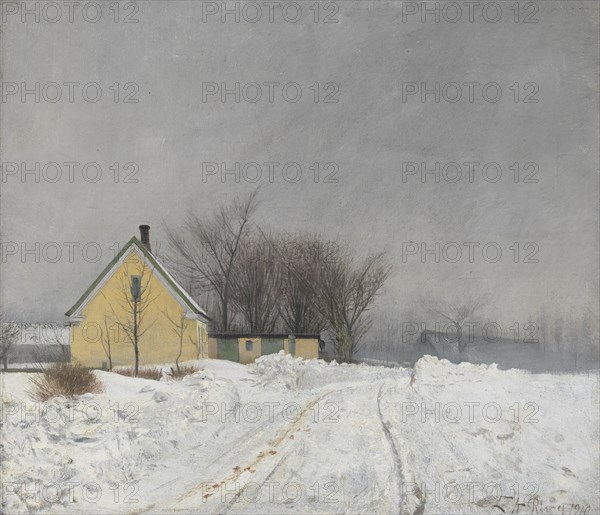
66 380
184 370
153 373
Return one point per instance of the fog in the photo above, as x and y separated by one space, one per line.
521 225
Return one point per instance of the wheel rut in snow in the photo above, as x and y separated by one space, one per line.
402 508
276 444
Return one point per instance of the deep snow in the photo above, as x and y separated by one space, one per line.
293 436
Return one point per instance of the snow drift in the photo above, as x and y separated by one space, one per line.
306 436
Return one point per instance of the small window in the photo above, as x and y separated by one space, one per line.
249 345
136 287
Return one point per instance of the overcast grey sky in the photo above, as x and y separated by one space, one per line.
361 110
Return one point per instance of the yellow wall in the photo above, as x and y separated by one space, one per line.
203 339
307 348
249 356
159 343
212 348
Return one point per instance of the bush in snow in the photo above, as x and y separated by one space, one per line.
65 380
184 370
154 373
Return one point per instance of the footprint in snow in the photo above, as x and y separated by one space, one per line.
160 397
505 437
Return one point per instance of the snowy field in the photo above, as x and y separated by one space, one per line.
292 436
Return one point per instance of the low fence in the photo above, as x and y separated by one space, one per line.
380 363
26 353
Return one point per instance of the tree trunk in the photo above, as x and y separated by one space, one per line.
345 347
461 343
137 360
180 351
224 321
135 340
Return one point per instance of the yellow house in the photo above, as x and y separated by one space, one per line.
136 300
245 348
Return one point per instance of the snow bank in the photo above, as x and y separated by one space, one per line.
430 368
475 437
285 372
109 439
350 438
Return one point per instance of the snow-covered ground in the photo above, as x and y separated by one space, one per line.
290 436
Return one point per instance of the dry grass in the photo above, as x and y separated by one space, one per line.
66 380
184 370
153 373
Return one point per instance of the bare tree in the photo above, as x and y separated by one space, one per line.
106 342
457 312
178 326
299 257
209 248
256 288
135 298
387 339
8 336
58 339
344 291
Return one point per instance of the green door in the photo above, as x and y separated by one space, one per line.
227 348
292 344
271 345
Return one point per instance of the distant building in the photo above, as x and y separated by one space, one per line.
505 352
245 348
42 333
39 342
163 309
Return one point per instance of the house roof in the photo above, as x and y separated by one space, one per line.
178 289
429 337
262 335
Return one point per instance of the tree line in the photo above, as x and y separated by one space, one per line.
260 280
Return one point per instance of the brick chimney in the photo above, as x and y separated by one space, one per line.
145 236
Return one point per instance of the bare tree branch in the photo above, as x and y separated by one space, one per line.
208 249
8 336
343 291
